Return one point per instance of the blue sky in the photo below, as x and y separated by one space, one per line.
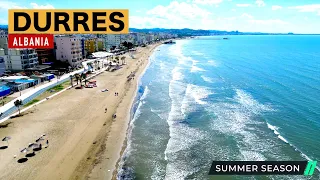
298 16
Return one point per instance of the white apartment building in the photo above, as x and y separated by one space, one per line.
19 59
133 38
112 40
141 39
4 41
69 49
2 66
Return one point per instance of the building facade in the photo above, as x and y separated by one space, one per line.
19 59
91 45
100 44
4 41
45 55
2 66
83 50
113 41
69 49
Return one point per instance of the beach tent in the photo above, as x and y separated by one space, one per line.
4 90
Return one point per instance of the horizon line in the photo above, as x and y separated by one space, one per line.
217 30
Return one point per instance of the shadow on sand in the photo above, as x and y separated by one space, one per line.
37 149
3 147
22 160
30 154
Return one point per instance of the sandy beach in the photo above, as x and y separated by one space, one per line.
84 141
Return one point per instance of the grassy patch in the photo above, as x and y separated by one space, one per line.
31 102
56 88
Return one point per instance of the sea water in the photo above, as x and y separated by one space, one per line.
246 98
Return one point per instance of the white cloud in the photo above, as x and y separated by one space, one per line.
216 2
268 22
189 15
260 3
276 7
36 6
176 10
243 5
175 15
5 5
308 8
246 15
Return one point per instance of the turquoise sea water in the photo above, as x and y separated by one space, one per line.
246 98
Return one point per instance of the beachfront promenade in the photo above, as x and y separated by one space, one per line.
29 94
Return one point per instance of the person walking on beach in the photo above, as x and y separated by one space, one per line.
47 143
105 110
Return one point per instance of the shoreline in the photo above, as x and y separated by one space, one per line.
131 113
85 141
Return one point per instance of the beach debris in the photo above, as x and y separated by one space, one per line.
14 156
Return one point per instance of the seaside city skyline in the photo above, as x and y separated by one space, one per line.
272 16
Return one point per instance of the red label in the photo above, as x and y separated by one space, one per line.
35 41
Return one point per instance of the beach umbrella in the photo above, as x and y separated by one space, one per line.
32 145
25 150
39 140
7 138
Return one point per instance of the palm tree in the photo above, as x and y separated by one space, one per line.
117 59
77 76
71 78
18 103
84 76
123 59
